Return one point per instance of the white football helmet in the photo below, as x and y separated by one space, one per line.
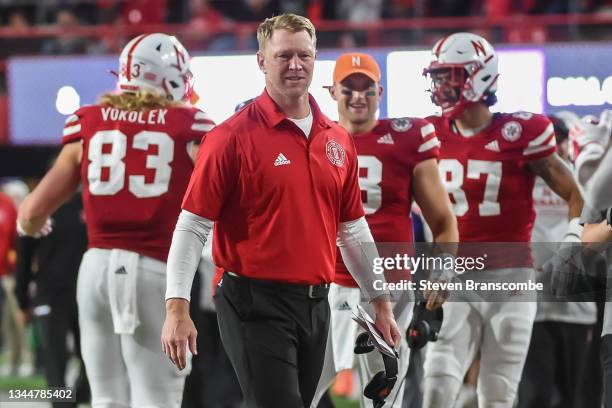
156 62
463 70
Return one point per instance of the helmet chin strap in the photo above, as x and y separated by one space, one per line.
457 109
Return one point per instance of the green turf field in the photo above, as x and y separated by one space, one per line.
8 383
22 383
344 403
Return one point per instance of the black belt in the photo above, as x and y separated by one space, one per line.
311 291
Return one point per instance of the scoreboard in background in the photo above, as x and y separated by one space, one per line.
42 90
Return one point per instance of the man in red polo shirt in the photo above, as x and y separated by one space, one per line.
279 181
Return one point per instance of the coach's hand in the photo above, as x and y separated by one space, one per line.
178 331
385 322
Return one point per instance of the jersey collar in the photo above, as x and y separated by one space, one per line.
273 115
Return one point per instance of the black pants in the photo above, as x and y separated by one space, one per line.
275 337
553 369
606 359
59 319
591 386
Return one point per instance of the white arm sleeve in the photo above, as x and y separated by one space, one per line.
358 252
598 191
189 237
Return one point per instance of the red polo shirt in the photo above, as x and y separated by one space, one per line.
276 197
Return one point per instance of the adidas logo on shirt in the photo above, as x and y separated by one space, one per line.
281 160
121 271
493 146
344 306
386 139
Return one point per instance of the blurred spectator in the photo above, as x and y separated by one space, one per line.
204 15
498 8
451 8
8 213
402 8
295 6
8 217
66 43
241 11
555 6
56 259
600 6
207 18
359 11
248 10
141 12
19 23
17 356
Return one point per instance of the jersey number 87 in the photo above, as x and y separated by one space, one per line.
452 174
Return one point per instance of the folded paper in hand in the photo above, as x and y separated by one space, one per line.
367 324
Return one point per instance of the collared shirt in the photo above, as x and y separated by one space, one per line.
276 197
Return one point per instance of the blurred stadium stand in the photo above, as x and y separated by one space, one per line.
217 27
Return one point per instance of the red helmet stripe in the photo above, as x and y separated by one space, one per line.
179 57
129 57
439 47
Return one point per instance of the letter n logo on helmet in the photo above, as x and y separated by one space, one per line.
479 48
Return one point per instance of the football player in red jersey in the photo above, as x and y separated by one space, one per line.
397 162
488 163
133 152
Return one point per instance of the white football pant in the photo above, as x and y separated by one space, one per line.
343 332
501 331
126 370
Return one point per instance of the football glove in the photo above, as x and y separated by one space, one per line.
43 232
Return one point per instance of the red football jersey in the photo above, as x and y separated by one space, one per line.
8 233
387 156
135 170
488 178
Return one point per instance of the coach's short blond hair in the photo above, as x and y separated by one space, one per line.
287 21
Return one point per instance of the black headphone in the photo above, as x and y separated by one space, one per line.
424 326
382 383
